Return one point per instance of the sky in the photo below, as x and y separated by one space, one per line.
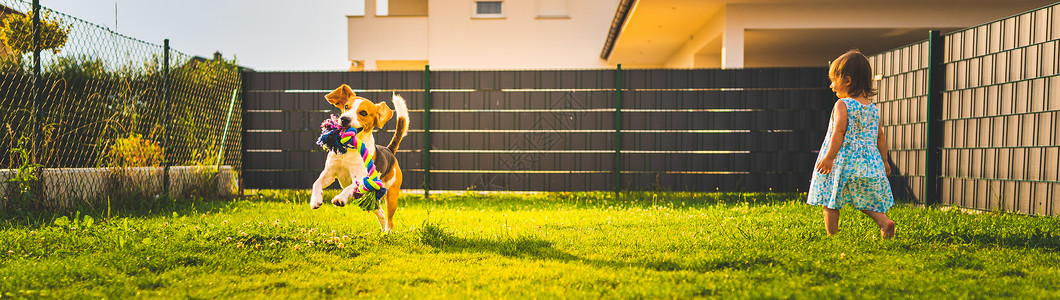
265 35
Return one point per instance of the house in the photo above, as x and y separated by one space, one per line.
469 34
591 34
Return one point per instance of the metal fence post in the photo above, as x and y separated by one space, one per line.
618 131
427 131
38 90
936 82
244 75
36 143
165 117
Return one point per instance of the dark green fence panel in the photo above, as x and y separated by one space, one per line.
727 130
283 112
554 130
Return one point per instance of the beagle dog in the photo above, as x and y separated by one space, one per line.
361 114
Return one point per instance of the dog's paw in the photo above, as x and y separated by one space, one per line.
316 201
338 202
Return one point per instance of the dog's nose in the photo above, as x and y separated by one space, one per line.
344 121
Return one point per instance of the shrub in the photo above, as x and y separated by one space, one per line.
17 33
24 184
135 151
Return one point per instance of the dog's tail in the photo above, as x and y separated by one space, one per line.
402 123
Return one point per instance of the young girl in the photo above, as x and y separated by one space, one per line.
851 167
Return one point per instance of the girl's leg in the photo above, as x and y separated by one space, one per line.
886 225
831 221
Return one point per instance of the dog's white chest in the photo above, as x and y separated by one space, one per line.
351 163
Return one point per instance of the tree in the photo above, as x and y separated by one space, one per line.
17 33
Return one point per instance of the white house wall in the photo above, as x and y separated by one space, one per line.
448 38
372 38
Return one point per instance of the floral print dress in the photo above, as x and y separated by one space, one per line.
858 175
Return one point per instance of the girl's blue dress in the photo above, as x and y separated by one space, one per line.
858 175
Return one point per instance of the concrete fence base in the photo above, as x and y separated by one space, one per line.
64 186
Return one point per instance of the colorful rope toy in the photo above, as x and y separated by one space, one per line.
335 138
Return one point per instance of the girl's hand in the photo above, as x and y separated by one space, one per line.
886 168
824 166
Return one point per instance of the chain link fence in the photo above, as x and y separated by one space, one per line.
98 119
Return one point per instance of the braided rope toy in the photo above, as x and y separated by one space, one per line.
335 138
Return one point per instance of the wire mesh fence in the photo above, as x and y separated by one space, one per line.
95 117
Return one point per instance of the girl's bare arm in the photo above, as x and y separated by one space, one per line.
839 114
839 121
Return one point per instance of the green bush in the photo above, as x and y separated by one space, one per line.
23 186
17 33
135 151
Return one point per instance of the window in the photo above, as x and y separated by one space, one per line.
356 8
382 8
552 9
406 8
488 9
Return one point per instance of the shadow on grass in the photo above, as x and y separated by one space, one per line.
145 207
1036 239
520 246
288 196
530 248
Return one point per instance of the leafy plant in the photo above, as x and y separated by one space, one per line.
12 64
135 151
83 222
17 33
25 175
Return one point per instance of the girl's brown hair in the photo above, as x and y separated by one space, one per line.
855 66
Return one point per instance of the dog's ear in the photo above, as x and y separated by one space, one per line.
383 113
339 96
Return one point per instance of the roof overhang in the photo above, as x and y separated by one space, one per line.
648 32
617 23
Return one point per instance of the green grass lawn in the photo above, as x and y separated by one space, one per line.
557 245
